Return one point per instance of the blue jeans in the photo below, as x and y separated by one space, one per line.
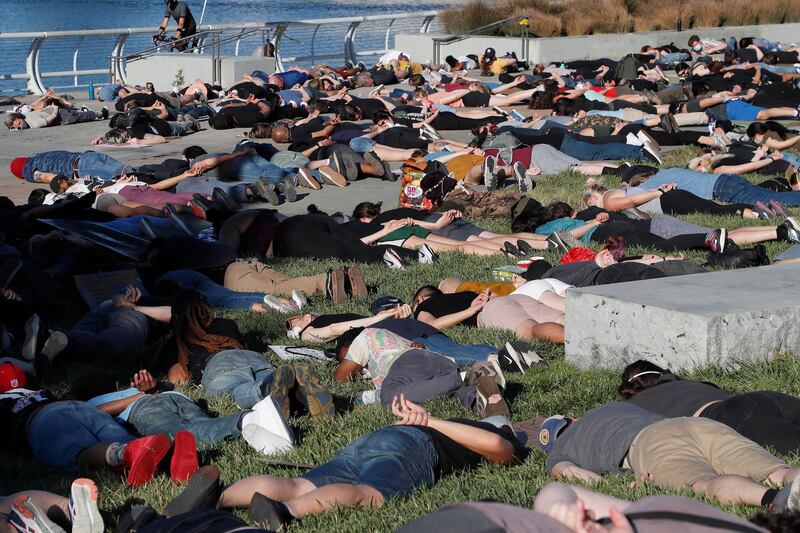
362 144
253 167
196 111
464 354
206 186
243 374
599 152
735 189
62 430
108 331
169 413
217 295
394 461
100 165
177 129
131 225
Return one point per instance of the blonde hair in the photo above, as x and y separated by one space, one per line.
694 163
592 186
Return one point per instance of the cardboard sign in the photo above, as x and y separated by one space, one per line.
97 288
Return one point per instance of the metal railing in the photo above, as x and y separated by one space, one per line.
301 42
481 31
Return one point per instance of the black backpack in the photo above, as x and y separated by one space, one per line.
734 257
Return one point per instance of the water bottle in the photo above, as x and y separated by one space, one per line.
680 23
91 90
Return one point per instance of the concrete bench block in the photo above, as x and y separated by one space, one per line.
717 318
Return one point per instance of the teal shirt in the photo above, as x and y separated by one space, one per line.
565 224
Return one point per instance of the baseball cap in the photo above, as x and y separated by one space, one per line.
489 53
383 303
11 377
536 270
17 165
549 432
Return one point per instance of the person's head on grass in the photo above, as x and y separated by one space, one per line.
295 324
190 321
423 293
638 376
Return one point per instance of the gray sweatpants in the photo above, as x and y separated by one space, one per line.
422 375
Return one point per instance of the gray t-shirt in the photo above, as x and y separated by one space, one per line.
653 206
600 439
180 11
674 398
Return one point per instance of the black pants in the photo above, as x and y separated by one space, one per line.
681 202
679 138
637 233
450 121
321 237
766 417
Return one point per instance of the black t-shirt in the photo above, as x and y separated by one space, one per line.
476 99
301 136
181 10
16 408
246 88
155 126
454 457
383 76
672 397
441 305
199 356
408 328
368 106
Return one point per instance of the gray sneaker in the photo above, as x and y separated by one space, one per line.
266 191
489 174
555 244
287 188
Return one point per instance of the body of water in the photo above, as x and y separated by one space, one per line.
52 15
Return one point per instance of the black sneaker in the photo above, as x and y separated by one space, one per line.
176 221
526 352
266 191
526 248
104 112
201 205
288 190
524 182
555 244
224 199
268 513
511 250
507 361
202 492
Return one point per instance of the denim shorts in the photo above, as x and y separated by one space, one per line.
362 145
59 431
394 461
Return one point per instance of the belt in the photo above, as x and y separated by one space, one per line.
75 173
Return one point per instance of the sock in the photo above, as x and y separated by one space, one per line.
115 454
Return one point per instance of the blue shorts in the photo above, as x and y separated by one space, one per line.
741 110
394 461
59 431
362 145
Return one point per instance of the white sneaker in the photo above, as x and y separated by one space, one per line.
278 304
265 429
426 255
299 299
393 260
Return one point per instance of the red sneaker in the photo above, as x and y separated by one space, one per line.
184 457
142 456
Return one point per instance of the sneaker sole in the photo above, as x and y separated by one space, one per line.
358 286
144 468
184 457
35 519
304 179
372 160
337 290
318 400
332 177
486 388
85 516
282 381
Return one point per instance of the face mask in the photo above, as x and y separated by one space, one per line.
697 48
294 333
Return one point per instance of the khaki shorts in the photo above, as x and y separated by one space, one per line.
678 452
509 312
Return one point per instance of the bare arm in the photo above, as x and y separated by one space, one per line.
744 168
566 469
347 370
115 407
617 201
149 139
490 445
334 331
162 313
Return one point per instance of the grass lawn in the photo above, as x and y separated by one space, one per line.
557 387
